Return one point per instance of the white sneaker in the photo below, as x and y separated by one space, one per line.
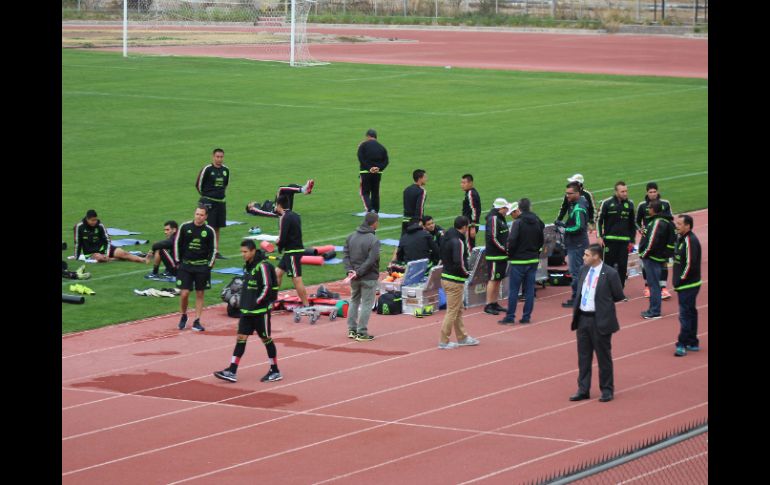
468 341
448 345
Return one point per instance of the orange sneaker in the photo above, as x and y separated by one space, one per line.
664 294
646 291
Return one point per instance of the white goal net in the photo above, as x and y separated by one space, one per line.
260 29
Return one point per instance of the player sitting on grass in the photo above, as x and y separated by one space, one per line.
92 241
161 252
267 208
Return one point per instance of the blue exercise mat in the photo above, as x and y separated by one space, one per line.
112 231
215 282
339 248
333 261
233 223
235 271
389 242
128 242
382 215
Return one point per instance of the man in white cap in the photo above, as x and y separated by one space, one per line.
524 245
496 236
590 202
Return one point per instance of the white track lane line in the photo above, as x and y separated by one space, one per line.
335 404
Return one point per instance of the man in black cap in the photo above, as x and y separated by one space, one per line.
373 159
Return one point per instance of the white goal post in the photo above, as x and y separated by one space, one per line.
272 29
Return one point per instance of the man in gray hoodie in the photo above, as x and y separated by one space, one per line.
362 262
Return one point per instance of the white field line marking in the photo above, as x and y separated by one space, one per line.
342 402
251 103
534 418
612 435
237 465
657 470
581 101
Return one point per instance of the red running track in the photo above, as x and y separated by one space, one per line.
140 404
637 55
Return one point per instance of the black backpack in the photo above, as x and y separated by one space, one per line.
558 255
389 303
231 294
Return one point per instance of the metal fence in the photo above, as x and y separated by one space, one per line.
682 12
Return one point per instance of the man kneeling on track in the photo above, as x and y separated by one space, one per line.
258 292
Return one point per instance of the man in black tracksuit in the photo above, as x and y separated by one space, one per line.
496 236
656 246
589 199
525 243
617 229
211 184
373 159
195 249
414 199
257 295
642 219
93 242
162 252
471 208
454 256
290 243
416 244
686 282
436 232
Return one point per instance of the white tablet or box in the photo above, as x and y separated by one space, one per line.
262 237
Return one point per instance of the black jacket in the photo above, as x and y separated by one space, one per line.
454 257
256 283
195 245
642 218
372 154
437 234
289 233
212 182
89 239
657 240
472 206
417 243
414 202
526 239
616 220
608 291
687 254
496 236
590 206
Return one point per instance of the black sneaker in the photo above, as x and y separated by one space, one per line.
219 256
183 322
352 334
226 375
151 276
524 321
500 308
568 304
647 315
272 376
361 337
197 326
489 308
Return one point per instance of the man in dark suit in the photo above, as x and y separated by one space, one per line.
595 320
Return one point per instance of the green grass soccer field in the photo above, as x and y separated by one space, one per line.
136 131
